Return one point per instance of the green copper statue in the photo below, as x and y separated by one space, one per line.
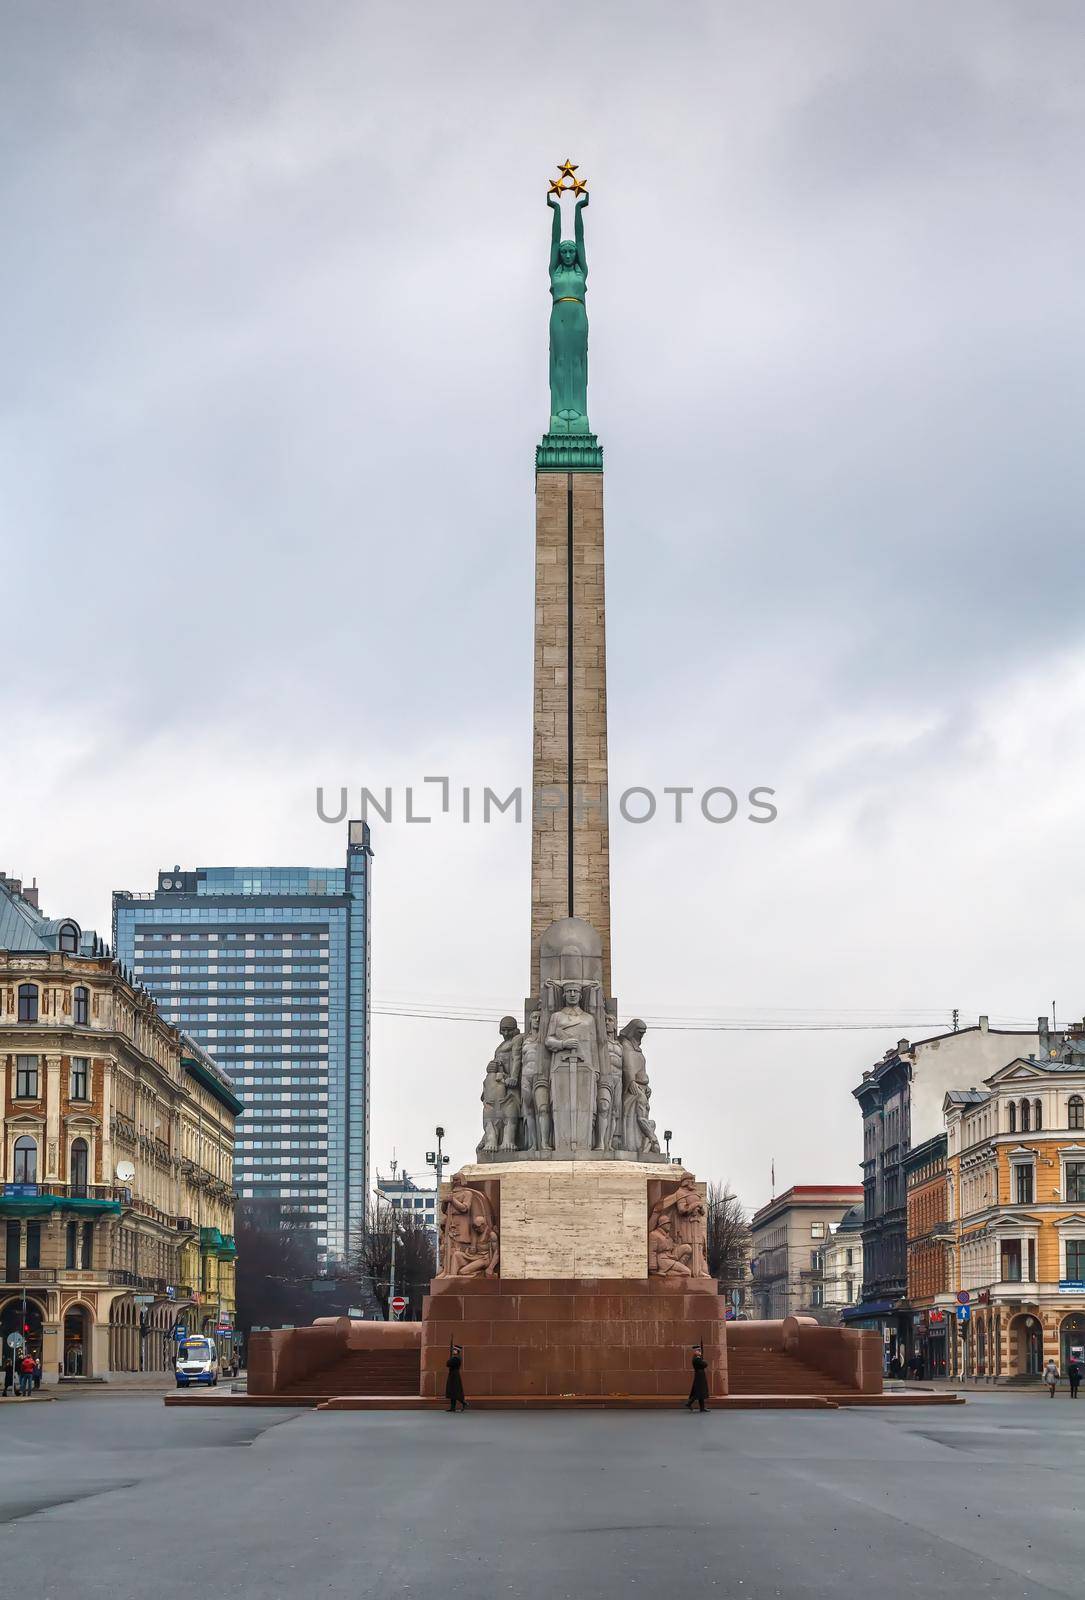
568 322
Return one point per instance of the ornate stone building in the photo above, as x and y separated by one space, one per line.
116 1160
1016 1212
901 1103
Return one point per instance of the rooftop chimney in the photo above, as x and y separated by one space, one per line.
983 1024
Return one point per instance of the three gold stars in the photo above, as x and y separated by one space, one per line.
567 182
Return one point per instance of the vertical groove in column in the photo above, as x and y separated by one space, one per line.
569 671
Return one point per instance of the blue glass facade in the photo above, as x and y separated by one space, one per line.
268 969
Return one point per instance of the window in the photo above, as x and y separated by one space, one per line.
817 1230
78 1168
1026 1118
1075 1181
1075 1112
69 939
33 1244
71 1258
1011 1261
849 1257
849 1290
1022 1184
88 1245
1013 1117
26 1160
80 1078
816 1261
81 1006
1075 1259
1037 1116
26 1077
28 1002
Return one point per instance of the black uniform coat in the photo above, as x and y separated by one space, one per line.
699 1391
454 1383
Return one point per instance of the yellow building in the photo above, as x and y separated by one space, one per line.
1016 1158
116 1160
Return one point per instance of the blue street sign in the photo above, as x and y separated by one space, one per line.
21 1191
180 1332
964 1313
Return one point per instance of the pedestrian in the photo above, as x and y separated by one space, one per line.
37 1372
454 1383
699 1387
9 1374
1051 1375
1073 1372
26 1376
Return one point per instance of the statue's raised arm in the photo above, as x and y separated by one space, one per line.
578 233
555 231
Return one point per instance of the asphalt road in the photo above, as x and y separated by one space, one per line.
120 1498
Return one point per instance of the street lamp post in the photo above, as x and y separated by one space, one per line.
438 1161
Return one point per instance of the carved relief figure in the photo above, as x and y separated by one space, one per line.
638 1129
608 1103
501 1091
529 1064
680 1220
469 1244
572 1043
666 1256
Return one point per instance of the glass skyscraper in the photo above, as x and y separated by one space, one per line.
268 969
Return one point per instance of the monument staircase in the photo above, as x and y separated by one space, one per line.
368 1372
753 1369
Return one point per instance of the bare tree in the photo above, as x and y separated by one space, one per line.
414 1257
728 1238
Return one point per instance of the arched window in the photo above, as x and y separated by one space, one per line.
81 1005
69 939
1037 1116
78 1168
1075 1112
1026 1117
28 1002
1013 1117
26 1160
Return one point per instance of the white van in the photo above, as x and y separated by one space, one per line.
197 1361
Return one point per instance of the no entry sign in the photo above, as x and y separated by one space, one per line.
398 1304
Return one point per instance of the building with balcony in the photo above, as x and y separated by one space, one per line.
1016 1211
901 1103
116 1160
268 969
926 1181
788 1241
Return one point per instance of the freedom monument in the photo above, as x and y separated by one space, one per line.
573 1256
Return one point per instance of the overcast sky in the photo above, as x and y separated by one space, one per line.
275 363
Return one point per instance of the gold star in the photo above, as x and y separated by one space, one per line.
557 187
579 187
568 169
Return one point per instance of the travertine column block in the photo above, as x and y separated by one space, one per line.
565 777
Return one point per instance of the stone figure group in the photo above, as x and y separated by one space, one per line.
469 1242
573 1083
678 1234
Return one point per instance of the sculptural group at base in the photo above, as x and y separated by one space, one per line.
573 1084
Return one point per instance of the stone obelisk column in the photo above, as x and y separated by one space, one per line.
570 843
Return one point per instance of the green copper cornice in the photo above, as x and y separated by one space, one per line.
569 452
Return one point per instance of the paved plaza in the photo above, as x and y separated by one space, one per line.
979 1500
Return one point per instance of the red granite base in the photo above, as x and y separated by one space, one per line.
573 1336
